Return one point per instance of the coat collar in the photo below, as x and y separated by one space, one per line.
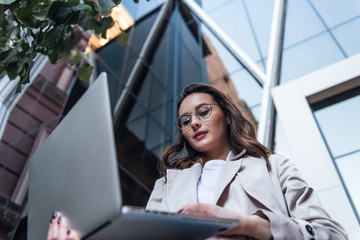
187 179
181 187
256 181
231 167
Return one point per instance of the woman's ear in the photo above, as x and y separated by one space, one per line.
227 120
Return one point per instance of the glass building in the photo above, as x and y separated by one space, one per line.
292 67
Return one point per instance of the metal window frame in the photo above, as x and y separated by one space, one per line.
228 43
266 128
265 133
139 66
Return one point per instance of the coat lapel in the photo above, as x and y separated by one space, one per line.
231 167
256 181
226 175
182 186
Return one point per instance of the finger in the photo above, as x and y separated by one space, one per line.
53 227
72 235
195 208
62 228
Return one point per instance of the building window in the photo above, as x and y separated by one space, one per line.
339 124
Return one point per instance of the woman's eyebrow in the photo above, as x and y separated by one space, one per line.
184 114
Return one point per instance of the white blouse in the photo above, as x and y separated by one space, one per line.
209 176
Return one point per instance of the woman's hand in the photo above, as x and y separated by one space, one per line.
58 229
250 225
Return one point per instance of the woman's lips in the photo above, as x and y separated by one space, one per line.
200 135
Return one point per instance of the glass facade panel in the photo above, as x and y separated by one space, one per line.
348 166
252 28
255 111
309 56
230 63
318 33
247 88
137 10
348 36
118 61
301 23
280 143
336 12
339 124
260 14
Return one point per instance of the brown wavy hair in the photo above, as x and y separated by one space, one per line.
240 132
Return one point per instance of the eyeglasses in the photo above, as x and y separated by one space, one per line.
202 111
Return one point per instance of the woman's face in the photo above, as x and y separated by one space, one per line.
209 135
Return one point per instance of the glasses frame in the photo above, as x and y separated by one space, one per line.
194 112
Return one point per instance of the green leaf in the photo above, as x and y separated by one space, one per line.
6 2
7 55
104 6
2 15
102 26
53 55
3 42
54 34
75 59
24 78
65 46
122 39
61 12
85 20
117 2
41 14
12 70
84 73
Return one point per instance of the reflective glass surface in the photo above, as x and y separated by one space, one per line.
348 36
118 61
339 124
336 12
348 166
138 10
309 56
301 23
281 145
318 33
249 25
248 90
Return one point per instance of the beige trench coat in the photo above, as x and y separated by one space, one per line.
246 186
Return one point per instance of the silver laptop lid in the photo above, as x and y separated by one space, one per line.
75 170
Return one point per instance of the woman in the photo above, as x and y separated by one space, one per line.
227 173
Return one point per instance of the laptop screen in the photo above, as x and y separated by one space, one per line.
75 170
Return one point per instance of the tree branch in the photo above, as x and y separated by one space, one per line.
6 7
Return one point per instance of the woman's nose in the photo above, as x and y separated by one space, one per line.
195 122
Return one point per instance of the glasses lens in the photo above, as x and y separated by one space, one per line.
204 111
184 121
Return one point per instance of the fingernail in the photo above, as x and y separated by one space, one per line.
59 220
68 232
180 210
54 215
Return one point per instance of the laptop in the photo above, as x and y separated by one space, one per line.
75 172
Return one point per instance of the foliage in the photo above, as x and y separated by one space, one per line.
46 27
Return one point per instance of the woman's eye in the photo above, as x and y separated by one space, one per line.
186 122
203 113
